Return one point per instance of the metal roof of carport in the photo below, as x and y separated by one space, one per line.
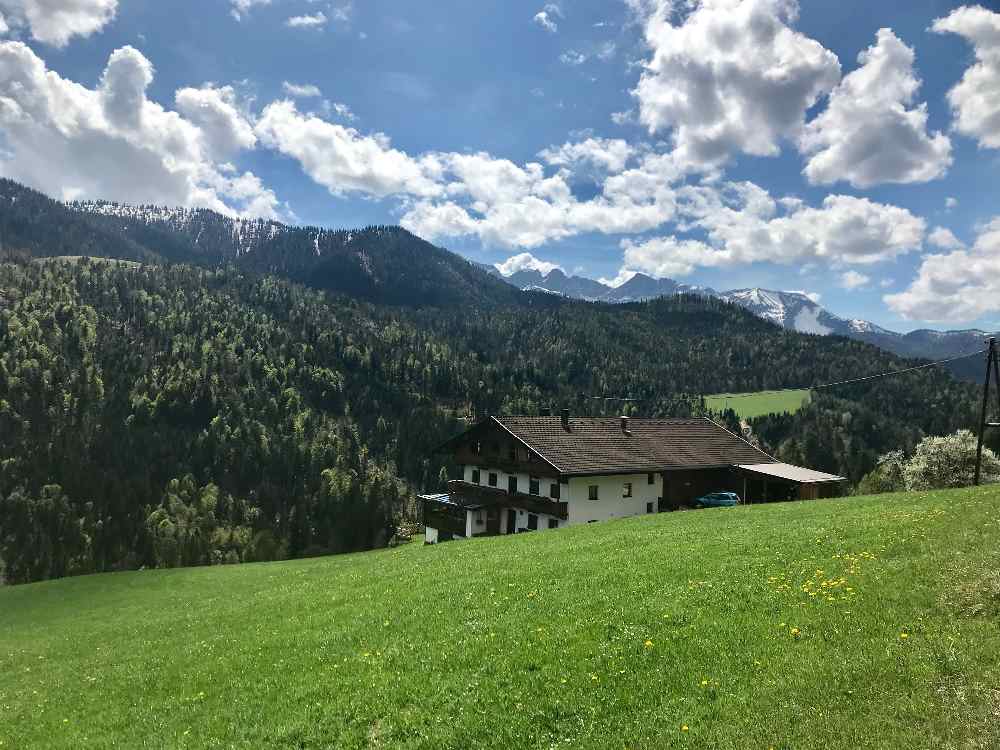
791 473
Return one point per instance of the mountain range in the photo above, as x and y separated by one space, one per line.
389 265
793 310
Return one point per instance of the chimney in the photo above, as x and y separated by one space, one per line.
625 425
565 419
545 411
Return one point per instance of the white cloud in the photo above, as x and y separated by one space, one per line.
225 129
543 19
113 142
733 77
746 225
342 159
55 22
867 136
811 296
312 21
606 50
854 280
975 100
944 239
623 118
301 90
241 7
608 154
525 262
666 256
623 276
342 111
960 286
950 203
572 57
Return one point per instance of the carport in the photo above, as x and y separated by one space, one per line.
763 483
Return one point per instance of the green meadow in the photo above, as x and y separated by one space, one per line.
750 405
855 623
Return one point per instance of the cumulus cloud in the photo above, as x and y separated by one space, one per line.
867 136
225 129
854 280
666 256
975 100
342 159
732 77
301 90
955 287
608 154
113 142
311 21
950 203
944 239
525 262
55 22
746 225
743 224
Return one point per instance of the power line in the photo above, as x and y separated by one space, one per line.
833 384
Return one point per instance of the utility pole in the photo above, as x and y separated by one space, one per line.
992 369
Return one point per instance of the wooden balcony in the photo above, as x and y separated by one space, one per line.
468 494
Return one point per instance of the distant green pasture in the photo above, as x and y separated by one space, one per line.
749 405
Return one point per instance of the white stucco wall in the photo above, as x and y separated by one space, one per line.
610 503
523 480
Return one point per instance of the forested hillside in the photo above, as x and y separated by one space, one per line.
159 413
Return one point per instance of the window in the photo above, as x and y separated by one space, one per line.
553 523
592 492
649 507
532 522
475 476
533 486
554 490
651 479
512 484
627 489
493 479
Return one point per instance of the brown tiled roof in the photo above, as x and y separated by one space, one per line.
599 446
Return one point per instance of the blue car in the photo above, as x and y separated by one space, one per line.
718 500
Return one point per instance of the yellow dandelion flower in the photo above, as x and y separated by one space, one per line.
795 632
704 682
648 644
904 636
684 727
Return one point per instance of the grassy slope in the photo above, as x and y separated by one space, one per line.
609 635
750 405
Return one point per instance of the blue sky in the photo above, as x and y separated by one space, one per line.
729 143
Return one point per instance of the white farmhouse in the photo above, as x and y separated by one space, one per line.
528 473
